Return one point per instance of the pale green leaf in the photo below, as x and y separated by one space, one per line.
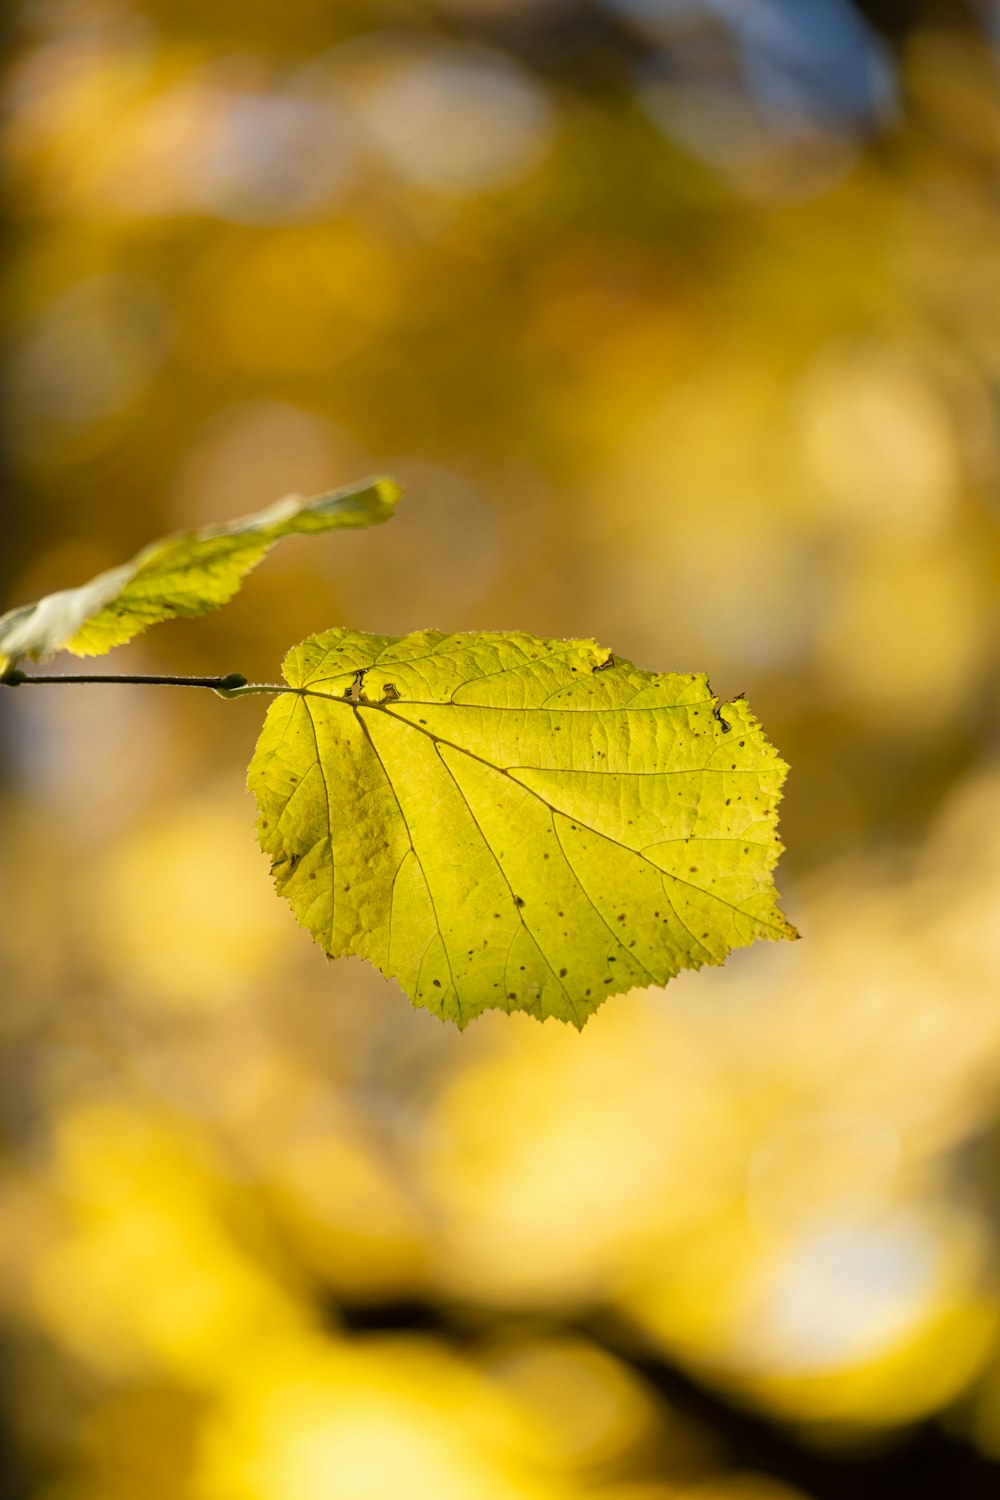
503 821
183 575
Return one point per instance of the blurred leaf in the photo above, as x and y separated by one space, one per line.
187 574
500 821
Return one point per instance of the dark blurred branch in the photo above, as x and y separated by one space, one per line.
923 1462
586 43
897 20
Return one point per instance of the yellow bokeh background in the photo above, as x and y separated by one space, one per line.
673 346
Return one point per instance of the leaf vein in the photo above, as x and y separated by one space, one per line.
497 861
573 871
409 834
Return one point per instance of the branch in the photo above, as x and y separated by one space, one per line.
232 685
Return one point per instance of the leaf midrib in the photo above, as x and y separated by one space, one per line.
438 740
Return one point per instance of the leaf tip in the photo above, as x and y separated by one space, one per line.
388 493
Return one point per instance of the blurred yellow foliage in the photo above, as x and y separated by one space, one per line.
706 372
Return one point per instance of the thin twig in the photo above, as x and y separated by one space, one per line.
232 685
